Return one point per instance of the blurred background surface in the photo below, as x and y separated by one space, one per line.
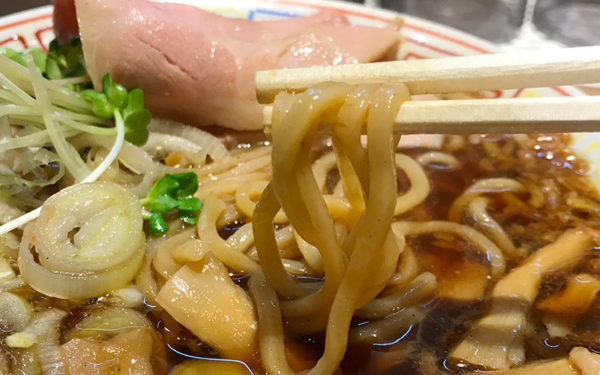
514 24
511 22
12 6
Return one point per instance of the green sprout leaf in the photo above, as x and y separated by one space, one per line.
60 61
157 225
102 108
39 58
90 95
188 217
188 184
167 185
170 192
189 204
66 60
136 127
117 95
131 105
135 101
163 204
53 69
164 187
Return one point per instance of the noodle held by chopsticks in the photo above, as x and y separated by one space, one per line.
357 269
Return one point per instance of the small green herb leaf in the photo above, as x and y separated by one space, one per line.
188 184
107 82
39 58
167 185
60 61
66 61
131 105
157 225
136 127
101 107
135 101
163 204
189 204
117 94
52 69
90 95
173 191
188 217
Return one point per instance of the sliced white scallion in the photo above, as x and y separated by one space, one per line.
107 322
104 254
6 271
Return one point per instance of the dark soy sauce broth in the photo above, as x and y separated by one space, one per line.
541 162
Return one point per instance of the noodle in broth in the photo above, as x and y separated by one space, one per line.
353 244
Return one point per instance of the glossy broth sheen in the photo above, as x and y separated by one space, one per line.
560 197
540 161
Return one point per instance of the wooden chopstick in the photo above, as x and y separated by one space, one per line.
515 116
454 74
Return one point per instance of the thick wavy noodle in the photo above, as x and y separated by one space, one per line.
333 232
290 216
359 265
328 239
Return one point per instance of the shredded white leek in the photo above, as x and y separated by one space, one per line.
104 165
114 152
54 114
69 156
83 122
61 96
36 139
72 80
22 95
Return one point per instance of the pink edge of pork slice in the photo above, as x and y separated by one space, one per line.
64 20
198 67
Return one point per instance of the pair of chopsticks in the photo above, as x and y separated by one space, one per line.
569 66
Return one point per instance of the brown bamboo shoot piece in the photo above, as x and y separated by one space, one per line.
575 299
203 298
130 352
496 340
